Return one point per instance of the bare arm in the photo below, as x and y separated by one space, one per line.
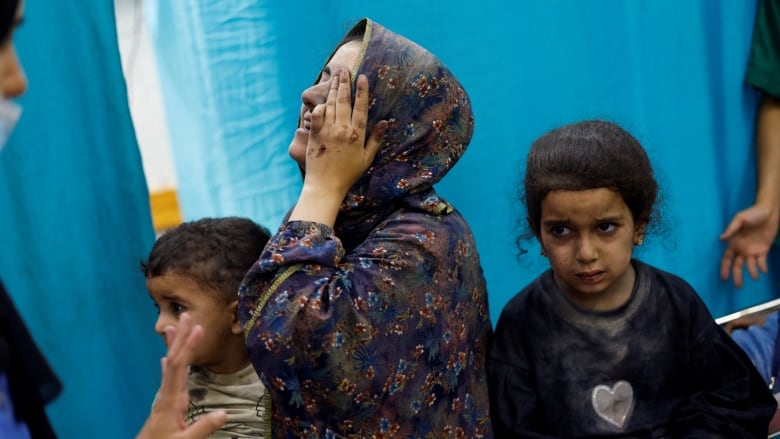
768 154
752 231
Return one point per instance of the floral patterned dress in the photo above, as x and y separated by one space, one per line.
379 328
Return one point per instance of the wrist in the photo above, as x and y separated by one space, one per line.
770 203
317 204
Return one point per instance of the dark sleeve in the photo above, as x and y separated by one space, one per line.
513 401
763 67
32 382
729 397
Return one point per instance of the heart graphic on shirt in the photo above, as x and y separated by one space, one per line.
613 404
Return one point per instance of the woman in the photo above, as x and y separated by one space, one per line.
367 313
27 382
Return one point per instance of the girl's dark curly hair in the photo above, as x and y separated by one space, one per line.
589 155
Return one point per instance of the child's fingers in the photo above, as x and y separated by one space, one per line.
190 343
164 394
176 337
181 348
168 383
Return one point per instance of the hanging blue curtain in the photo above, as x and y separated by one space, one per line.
75 218
668 71
224 84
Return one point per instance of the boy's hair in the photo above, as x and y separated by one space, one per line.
214 252
590 155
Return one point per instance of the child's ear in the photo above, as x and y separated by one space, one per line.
235 328
639 234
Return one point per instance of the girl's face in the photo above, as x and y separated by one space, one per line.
589 237
344 58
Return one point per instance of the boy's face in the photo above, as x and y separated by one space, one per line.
221 350
589 238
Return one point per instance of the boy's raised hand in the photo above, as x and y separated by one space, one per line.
167 418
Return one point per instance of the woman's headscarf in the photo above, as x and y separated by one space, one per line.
430 126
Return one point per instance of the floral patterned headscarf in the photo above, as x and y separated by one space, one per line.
430 125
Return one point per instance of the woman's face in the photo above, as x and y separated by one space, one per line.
344 59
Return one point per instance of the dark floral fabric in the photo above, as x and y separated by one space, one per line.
379 328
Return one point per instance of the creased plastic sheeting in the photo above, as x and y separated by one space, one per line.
75 218
230 124
668 71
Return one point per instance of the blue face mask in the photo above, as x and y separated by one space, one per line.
9 116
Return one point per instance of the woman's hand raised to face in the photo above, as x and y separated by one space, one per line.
337 154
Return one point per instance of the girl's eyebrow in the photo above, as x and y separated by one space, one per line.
610 219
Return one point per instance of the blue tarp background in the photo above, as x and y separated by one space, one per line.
668 71
75 218
73 201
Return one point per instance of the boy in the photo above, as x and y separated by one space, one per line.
197 267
